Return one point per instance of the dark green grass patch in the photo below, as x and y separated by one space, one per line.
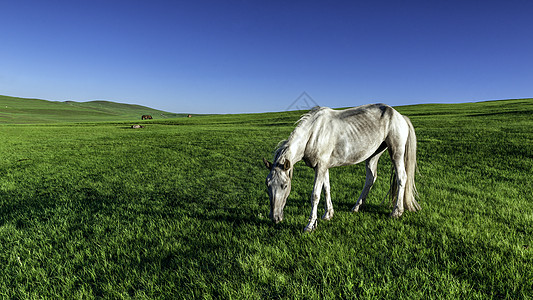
179 210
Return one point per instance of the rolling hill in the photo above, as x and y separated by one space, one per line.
15 110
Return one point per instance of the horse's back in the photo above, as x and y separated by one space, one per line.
371 121
348 136
372 111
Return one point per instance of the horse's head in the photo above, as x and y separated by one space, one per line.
278 184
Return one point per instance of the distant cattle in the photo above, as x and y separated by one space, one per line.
137 126
146 117
189 116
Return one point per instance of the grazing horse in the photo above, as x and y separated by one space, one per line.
326 138
146 117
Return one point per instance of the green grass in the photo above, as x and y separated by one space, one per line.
179 210
34 111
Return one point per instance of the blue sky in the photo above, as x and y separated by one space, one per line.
255 56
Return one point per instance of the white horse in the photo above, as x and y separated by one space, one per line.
326 138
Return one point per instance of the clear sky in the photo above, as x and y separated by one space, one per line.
253 56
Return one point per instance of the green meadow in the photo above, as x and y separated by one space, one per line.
35 111
90 208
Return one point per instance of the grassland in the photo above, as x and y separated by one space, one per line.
179 210
35 111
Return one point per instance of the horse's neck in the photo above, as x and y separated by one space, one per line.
296 146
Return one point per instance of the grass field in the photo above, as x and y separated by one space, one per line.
179 210
35 111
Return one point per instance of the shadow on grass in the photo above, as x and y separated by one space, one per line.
28 208
378 208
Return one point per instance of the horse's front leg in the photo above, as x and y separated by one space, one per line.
315 198
329 205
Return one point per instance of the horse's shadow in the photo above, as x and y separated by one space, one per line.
367 208
235 217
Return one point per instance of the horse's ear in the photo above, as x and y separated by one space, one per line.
286 165
267 164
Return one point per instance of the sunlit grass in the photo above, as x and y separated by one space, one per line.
179 210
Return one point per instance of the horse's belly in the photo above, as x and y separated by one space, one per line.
350 154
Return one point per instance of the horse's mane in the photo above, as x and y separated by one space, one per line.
305 120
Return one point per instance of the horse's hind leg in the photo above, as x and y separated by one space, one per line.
371 175
401 179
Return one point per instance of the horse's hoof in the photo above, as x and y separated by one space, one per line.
358 205
328 215
396 214
356 208
310 227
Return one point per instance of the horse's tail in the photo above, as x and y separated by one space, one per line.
410 168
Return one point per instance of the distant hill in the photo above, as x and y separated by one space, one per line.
15 110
